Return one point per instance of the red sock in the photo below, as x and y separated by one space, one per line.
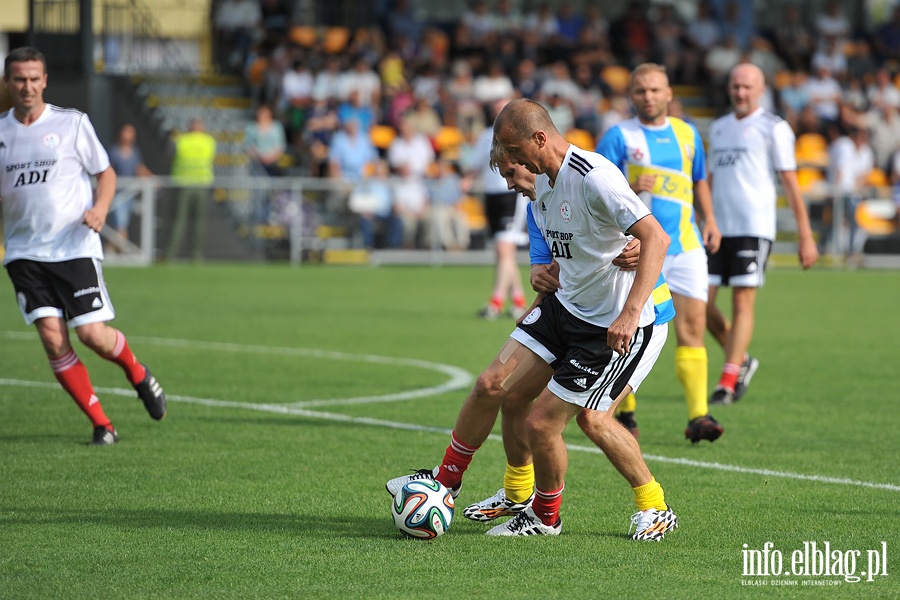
73 376
122 356
546 505
497 302
456 461
519 301
729 376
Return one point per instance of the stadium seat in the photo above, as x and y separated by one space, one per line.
382 136
616 77
581 138
782 79
304 36
812 150
335 39
877 217
474 213
448 139
877 178
810 179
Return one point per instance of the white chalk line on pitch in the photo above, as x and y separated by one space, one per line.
286 409
457 378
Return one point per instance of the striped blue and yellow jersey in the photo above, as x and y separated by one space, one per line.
540 254
674 153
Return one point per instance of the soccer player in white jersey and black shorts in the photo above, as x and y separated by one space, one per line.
52 221
505 214
596 332
747 148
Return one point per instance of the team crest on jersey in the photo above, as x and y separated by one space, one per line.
637 154
51 140
532 316
565 211
688 151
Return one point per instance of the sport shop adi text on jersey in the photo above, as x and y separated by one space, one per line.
45 185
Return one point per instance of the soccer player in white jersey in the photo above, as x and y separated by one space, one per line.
596 333
52 221
665 163
747 148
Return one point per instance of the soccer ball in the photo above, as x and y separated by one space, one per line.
423 509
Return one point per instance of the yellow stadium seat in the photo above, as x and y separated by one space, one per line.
812 149
616 77
783 79
448 138
304 36
877 178
581 138
474 213
877 217
808 177
382 136
335 39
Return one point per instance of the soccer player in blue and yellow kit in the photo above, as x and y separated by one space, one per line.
665 163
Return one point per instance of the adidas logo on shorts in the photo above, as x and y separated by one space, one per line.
581 382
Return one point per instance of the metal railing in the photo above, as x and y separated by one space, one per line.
298 219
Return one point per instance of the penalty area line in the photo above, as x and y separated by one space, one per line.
286 409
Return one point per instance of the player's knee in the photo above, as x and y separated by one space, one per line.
92 337
488 386
593 422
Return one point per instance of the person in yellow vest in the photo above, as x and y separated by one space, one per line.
192 172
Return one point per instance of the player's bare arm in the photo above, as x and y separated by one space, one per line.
545 278
628 259
644 183
654 243
95 217
806 244
712 237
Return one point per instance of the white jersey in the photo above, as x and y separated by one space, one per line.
583 218
45 185
744 155
491 179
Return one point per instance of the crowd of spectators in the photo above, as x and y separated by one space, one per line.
409 95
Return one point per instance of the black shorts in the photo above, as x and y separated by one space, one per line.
740 262
72 289
586 370
500 210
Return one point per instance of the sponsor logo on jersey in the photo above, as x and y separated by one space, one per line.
2 145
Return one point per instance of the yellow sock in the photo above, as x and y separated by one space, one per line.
628 404
519 482
649 496
692 370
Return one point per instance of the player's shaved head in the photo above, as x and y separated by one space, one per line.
521 118
746 85
750 73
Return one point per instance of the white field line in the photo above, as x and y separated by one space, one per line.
286 409
458 379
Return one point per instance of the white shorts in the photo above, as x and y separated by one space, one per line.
687 274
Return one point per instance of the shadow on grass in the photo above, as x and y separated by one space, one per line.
353 526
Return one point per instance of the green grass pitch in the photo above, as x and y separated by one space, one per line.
295 393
